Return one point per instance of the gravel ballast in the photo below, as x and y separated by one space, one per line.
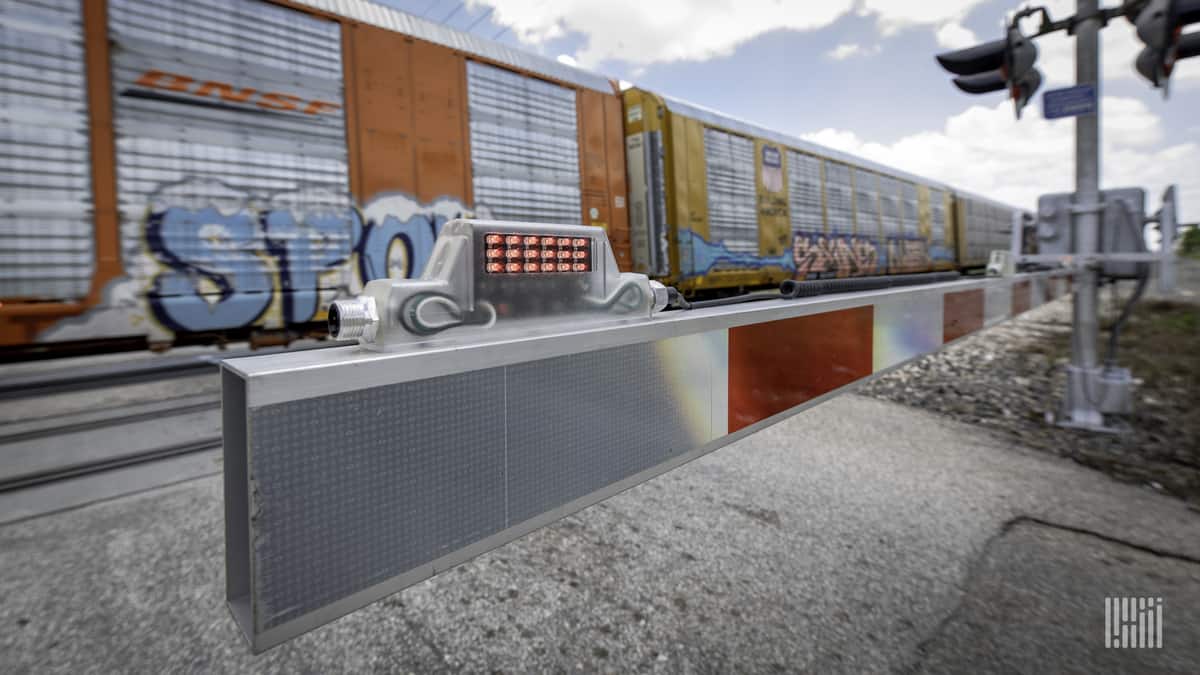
1010 379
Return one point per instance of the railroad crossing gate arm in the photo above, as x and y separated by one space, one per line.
351 474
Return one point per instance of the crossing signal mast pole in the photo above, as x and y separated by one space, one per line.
1080 406
1008 63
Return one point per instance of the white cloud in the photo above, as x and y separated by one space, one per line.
894 15
954 35
642 32
986 150
847 50
567 59
945 17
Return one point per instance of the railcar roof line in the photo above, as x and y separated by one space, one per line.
396 20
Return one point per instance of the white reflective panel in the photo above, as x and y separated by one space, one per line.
907 325
46 228
524 147
997 304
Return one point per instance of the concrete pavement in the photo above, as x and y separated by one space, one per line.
859 536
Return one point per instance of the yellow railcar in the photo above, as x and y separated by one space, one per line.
717 203
983 225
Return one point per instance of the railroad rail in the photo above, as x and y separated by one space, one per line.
55 447
107 375
124 373
99 431
83 450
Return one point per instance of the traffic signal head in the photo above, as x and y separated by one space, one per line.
1022 91
1023 79
1160 26
996 65
983 83
974 60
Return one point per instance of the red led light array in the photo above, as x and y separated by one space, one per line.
508 253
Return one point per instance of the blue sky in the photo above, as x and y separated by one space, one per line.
860 75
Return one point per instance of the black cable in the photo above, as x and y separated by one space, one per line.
791 288
1110 359
410 315
675 299
1114 334
735 299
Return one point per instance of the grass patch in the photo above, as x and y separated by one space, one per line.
1160 344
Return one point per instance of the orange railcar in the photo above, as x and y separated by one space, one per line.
224 167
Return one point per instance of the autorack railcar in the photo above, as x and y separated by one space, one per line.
717 203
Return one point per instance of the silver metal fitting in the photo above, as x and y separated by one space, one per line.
353 318
1000 264
662 296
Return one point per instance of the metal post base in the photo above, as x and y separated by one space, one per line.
1093 392
1107 425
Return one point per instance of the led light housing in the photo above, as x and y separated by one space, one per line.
495 276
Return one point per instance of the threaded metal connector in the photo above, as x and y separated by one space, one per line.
354 318
662 296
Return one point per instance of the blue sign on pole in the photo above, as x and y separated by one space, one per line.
1069 102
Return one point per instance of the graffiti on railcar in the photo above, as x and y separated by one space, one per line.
908 255
400 232
215 277
205 256
818 255
698 256
224 268
940 253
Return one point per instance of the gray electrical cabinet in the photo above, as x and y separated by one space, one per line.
1121 223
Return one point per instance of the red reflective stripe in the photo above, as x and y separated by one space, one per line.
823 352
962 314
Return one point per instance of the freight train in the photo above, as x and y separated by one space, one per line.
177 172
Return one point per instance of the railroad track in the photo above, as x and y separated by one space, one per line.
109 375
72 437
128 372
54 447
60 460
75 436
85 420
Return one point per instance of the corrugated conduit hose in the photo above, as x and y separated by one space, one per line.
805 289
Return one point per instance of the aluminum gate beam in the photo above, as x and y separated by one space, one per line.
351 474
